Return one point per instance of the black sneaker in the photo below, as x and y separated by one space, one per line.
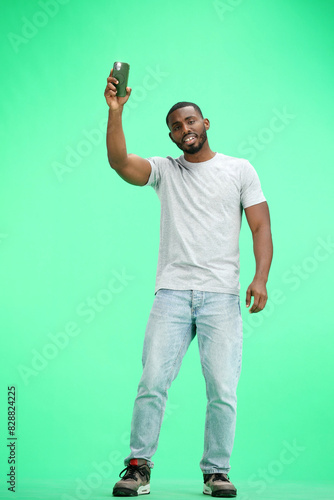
218 485
135 481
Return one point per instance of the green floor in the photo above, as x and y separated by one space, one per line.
163 489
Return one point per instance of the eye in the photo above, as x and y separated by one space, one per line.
177 126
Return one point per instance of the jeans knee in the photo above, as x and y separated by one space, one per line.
152 386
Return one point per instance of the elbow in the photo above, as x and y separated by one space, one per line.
116 166
263 227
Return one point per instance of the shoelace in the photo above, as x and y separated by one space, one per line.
219 476
130 471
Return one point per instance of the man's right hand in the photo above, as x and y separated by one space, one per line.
114 102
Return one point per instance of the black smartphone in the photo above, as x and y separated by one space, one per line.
121 72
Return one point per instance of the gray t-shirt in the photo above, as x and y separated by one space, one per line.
201 211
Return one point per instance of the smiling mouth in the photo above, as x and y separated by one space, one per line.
190 139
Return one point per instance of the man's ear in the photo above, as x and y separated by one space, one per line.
170 135
206 123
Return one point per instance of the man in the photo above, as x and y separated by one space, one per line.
202 195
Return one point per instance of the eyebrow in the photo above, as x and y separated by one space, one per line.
192 116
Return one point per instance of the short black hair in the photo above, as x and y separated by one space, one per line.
183 104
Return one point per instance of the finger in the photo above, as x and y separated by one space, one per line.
264 302
248 297
255 310
261 303
111 90
111 86
110 93
112 79
255 303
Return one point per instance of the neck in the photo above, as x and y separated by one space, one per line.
203 154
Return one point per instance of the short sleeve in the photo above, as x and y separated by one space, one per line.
251 191
156 171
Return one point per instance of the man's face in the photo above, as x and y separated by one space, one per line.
186 123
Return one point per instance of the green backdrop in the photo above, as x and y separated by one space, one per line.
79 246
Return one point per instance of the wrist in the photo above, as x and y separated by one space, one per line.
263 278
116 111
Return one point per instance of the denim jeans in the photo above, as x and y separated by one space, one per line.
175 318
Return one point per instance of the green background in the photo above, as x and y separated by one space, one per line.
70 226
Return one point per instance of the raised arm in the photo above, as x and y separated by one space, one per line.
258 219
132 168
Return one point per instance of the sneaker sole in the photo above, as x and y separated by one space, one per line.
219 493
126 492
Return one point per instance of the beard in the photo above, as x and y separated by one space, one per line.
194 148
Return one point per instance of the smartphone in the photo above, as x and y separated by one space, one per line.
121 72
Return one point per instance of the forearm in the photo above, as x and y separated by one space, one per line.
263 252
116 146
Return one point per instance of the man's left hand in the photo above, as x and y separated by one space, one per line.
258 290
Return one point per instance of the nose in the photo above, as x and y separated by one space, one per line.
185 129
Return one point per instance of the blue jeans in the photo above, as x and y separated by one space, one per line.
175 318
